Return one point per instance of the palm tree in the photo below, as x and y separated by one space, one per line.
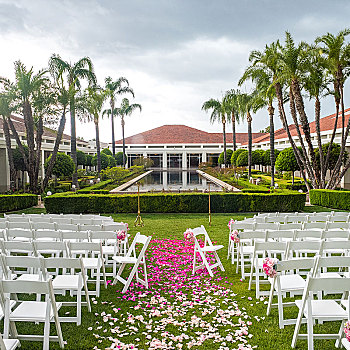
218 113
82 69
124 110
112 89
89 107
231 103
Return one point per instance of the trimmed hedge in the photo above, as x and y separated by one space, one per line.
17 202
175 203
330 199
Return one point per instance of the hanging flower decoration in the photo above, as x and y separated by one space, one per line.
188 235
234 236
120 235
270 267
127 225
347 330
230 223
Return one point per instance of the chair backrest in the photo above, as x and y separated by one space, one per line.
3 225
319 218
337 245
8 247
310 247
102 235
240 226
252 235
12 263
280 235
19 233
270 247
294 218
49 234
18 219
40 219
142 239
63 263
43 226
337 226
315 225
336 234
42 247
27 287
75 235
333 261
327 284
97 222
60 219
90 227
82 221
67 227
277 219
304 235
266 226
339 218
23 225
86 247
3 234
296 264
291 226
114 227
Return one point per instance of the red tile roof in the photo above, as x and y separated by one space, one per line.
326 123
182 134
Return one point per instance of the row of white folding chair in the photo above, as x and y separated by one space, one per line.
91 253
75 216
40 270
325 213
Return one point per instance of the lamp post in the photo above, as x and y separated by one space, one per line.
138 221
209 204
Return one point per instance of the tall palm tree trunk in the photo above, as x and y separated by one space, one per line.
250 141
234 131
98 147
55 150
73 143
9 155
224 137
271 111
39 137
124 158
319 143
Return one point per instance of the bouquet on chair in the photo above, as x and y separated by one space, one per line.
234 236
230 223
347 330
270 267
188 235
120 235
127 225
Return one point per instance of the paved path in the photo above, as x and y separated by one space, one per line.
218 182
122 187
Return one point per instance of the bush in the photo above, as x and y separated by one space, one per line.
258 157
17 202
266 158
287 175
228 157
119 158
98 186
334 155
81 172
242 159
286 160
175 203
81 158
116 173
331 199
111 161
235 155
107 152
64 165
88 160
104 160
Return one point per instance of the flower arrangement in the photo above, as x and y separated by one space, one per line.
127 225
188 235
120 235
347 330
230 223
234 236
269 267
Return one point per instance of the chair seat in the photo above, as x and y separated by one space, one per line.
212 248
12 304
66 282
91 263
330 275
109 249
11 344
290 283
29 277
125 259
325 308
31 311
345 343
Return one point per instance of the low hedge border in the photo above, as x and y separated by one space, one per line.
175 203
330 199
17 202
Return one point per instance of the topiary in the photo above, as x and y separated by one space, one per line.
235 155
104 160
111 161
64 165
286 161
119 158
267 158
242 159
88 160
107 151
228 157
257 157
81 158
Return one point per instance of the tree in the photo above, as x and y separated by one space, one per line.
116 173
286 161
232 107
104 160
111 161
235 155
267 156
124 110
144 162
258 157
81 158
229 153
112 89
218 113
82 69
88 160
119 158
64 165
107 151
334 155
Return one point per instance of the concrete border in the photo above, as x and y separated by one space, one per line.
122 187
218 182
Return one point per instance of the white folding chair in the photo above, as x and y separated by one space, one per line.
31 311
9 344
16 234
66 227
134 259
339 218
47 235
13 247
43 226
60 219
297 218
90 227
321 310
315 226
308 235
297 249
92 256
74 282
291 226
287 280
75 236
280 235
208 247
336 235
337 226
20 225
266 226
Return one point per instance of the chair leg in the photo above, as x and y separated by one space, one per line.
310 332
251 274
257 281
145 273
98 281
79 307
46 335
131 276
269 305
194 262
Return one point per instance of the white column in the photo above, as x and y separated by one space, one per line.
165 179
42 165
204 157
144 154
165 160
184 160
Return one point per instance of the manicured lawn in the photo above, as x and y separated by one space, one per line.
265 332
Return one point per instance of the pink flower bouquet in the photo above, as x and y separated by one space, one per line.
269 267
347 330
188 235
230 223
120 235
234 236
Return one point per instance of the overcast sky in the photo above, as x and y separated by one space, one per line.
175 54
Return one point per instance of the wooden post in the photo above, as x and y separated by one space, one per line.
138 221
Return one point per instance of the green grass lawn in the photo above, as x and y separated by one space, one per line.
266 333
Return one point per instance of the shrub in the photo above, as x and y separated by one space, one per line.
330 199
119 158
64 165
104 160
98 186
258 157
235 155
17 202
81 172
287 175
111 161
107 152
175 203
81 158
242 159
334 155
266 157
116 173
228 157
88 159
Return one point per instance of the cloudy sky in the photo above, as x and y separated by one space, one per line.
175 53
